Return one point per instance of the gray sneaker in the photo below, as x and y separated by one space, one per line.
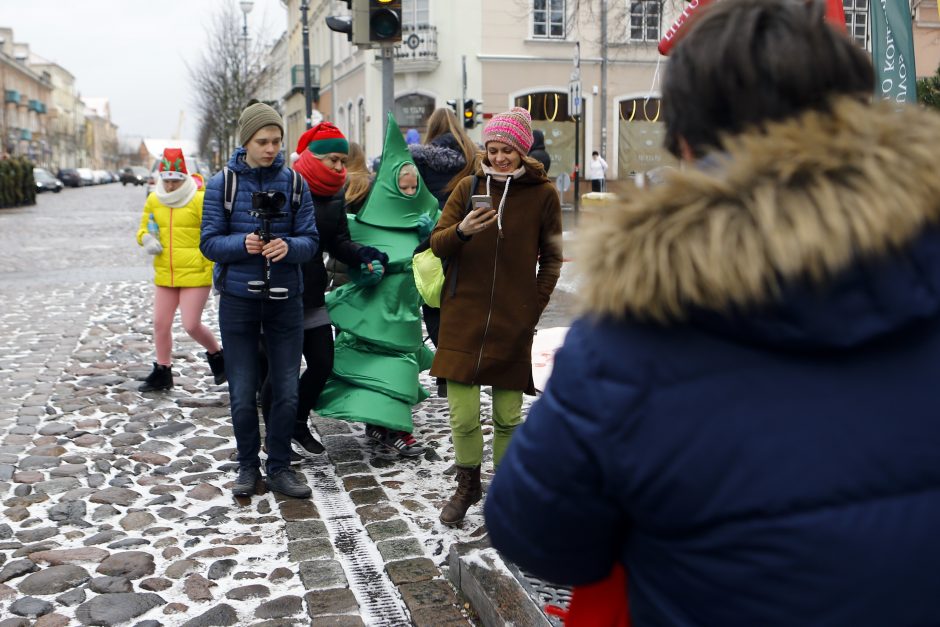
287 483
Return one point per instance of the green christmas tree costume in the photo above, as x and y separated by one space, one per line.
379 351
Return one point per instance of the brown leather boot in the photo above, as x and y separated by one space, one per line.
468 492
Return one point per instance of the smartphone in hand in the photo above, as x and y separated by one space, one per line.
481 203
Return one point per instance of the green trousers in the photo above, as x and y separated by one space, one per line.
464 401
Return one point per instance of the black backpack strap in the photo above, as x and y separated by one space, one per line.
228 191
297 190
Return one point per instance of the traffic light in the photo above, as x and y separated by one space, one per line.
371 23
472 113
346 23
384 21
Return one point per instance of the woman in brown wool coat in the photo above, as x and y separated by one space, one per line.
504 261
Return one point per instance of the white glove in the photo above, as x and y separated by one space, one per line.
151 244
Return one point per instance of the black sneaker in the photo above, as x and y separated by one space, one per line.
403 443
287 483
295 458
245 484
376 433
308 442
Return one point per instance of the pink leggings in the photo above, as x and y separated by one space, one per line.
191 301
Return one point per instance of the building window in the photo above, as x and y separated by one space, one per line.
645 20
548 19
856 20
415 12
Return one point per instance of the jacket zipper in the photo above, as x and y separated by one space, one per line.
172 277
489 311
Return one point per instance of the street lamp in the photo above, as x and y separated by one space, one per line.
246 6
304 6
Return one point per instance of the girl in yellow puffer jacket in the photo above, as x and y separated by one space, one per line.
169 230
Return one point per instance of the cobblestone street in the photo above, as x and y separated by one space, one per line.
116 507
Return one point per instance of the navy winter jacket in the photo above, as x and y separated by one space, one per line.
747 418
223 236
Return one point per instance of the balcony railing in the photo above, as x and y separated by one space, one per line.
297 80
418 49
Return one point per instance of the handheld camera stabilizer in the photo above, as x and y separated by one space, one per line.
266 206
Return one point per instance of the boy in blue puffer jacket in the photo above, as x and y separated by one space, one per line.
230 237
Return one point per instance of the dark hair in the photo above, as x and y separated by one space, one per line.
747 62
595 153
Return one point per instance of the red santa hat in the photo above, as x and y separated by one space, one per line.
173 166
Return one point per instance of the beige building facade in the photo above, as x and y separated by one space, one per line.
926 38
26 99
504 53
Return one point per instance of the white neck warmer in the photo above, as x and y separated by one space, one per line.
179 197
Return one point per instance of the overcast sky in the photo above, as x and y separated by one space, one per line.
133 52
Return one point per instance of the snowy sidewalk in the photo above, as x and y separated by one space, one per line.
116 505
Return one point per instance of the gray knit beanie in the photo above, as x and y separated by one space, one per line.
255 118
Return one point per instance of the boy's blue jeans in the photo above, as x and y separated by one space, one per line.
241 321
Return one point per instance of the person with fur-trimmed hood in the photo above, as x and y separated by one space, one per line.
745 416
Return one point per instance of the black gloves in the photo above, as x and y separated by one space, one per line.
367 254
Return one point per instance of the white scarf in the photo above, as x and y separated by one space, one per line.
179 197
499 177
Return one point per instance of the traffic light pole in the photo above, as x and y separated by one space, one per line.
577 162
308 96
388 84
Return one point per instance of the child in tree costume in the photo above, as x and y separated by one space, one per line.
380 349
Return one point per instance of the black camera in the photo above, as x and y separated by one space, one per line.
266 206
269 201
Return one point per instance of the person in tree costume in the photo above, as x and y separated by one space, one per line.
380 348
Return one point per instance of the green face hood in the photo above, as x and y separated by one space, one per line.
386 206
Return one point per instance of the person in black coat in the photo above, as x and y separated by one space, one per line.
447 156
321 160
538 151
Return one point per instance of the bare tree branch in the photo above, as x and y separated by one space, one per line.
224 79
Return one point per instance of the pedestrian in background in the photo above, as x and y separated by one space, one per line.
507 258
538 151
597 172
321 160
231 239
169 230
446 157
745 418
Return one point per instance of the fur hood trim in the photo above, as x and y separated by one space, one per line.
803 200
437 157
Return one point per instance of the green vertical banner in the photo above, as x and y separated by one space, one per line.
892 51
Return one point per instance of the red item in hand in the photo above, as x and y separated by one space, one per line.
601 604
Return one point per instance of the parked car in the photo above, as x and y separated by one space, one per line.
45 182
70 177
88 178
135 175
101 176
